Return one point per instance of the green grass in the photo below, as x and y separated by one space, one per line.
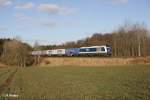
82 83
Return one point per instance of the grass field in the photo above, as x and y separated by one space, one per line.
80 83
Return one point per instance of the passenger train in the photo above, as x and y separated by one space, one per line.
103 50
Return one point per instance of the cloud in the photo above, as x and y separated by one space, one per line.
49 8
5 2
47 23
28 5
56 9
22 17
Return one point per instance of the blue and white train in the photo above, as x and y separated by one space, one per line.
82 51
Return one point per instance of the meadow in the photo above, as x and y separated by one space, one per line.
128 82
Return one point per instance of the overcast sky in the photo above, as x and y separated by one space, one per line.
58 21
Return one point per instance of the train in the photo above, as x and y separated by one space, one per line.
102 50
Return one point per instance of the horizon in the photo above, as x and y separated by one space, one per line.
56 22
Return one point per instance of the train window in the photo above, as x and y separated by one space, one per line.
102 49
82 50
87 50
92 49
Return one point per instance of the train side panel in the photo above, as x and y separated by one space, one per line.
60 52
56 52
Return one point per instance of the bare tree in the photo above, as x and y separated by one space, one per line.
16 53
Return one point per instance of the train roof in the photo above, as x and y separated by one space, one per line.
94 46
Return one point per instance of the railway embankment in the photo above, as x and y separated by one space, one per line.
92 61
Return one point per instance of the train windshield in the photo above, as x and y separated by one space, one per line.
102 49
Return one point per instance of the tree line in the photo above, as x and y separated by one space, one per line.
130 40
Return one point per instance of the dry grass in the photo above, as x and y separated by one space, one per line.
2 65
92 61
141 60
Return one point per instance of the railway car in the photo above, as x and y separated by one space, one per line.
56 52
36 53
72 52
44 52
53 52
48 52
61 52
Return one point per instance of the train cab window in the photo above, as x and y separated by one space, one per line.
102 49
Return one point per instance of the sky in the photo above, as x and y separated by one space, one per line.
60 21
